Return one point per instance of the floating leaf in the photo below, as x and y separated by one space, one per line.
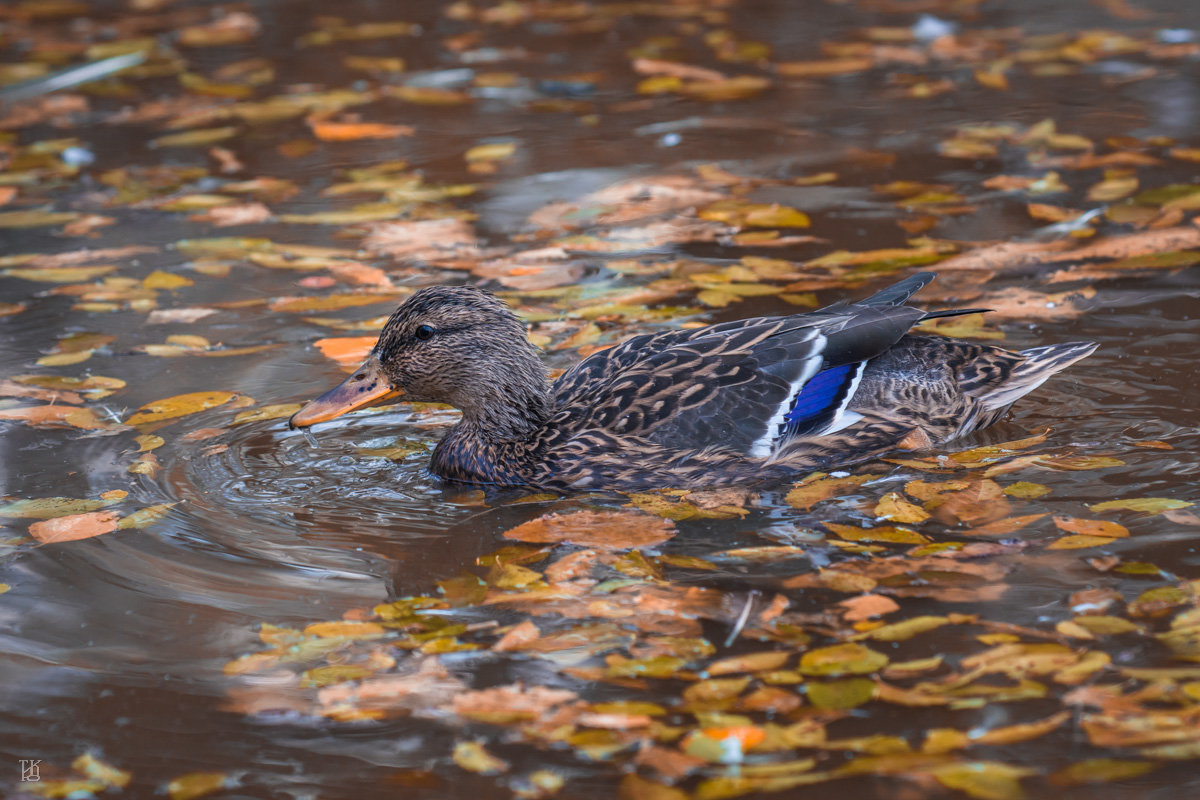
1091 527
608 530
196 784
196 138
889 534
1145 505
1026 490
1079 541
841 694
906 629
35 218
74 527
491 152
893 507
178 406
842 659
817 488
472 757
1101 770
277 411
351 131
87 764
50 507
145 516
751 662
984 780
348 351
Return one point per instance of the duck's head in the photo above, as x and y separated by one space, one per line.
447 344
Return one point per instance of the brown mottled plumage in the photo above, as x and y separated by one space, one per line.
747 401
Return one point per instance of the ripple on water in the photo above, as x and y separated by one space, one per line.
369 473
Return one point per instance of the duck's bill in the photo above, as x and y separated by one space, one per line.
366 385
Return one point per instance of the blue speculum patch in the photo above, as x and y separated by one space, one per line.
822 391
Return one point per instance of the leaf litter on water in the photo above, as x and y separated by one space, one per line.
615 592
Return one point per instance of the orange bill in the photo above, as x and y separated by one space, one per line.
367 385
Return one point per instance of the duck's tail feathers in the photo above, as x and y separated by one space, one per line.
1039 364
953 312
898 293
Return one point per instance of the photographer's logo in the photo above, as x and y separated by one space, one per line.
31 770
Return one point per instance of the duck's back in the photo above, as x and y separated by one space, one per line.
780 393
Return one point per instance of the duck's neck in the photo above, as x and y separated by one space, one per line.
512 414
494 443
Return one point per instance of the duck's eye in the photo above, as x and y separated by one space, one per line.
424 332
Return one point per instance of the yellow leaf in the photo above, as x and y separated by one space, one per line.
277 411
751 662
491 152
195 138
148 441
1026 490
61 274
178 406
165 280
1146 505
842 659
345 629
472 757
145 516
195 784
890 534
841 694
893 507
984 780
905 629
1101 770
94 768
333 673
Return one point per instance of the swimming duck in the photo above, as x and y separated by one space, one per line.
753 400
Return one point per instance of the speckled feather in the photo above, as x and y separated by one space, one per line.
701 406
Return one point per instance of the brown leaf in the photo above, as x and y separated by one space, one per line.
604 530
235 214
518 637
509 703
1011 256
426 239
654 66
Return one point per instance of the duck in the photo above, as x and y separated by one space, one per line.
764 399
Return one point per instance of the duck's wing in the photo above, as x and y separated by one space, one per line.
744 386
581 383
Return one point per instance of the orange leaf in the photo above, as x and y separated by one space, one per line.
348 351
76 526
747 735
53 415
350 131
867 606
1091 527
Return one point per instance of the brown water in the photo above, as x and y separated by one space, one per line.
116 645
